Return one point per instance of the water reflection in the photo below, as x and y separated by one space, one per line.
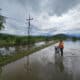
59 62
0 69
10 50
7 50
27 65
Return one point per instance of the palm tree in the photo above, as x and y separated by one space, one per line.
2 20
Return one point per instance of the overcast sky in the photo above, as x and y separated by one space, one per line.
50 16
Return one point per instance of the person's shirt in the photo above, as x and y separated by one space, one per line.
61 45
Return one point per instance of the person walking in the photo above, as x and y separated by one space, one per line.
61 46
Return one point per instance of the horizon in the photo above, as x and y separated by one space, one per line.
71 35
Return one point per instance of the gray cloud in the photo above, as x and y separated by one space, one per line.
60 7
57 7
33 6
52 7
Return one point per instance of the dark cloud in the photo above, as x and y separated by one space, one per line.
30 5
51 7
59 7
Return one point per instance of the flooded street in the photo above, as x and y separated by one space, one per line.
46 65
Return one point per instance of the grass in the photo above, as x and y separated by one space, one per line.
7 59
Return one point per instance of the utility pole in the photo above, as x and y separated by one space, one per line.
29 24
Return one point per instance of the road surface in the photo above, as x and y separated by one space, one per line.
46 65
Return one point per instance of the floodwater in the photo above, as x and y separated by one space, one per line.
15 49
46 65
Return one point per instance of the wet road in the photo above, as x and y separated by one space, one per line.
46 65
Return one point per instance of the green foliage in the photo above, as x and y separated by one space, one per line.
2 20
74 39
11 40
60 37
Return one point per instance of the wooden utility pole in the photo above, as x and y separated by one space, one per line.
29 24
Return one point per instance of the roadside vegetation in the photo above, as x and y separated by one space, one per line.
13 40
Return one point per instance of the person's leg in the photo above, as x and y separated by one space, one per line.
55 50
61 49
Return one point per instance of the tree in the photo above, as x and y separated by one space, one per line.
2 20
74 39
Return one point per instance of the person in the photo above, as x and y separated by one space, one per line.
56 49
61 46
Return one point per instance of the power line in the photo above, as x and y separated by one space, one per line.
29 19
29 24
